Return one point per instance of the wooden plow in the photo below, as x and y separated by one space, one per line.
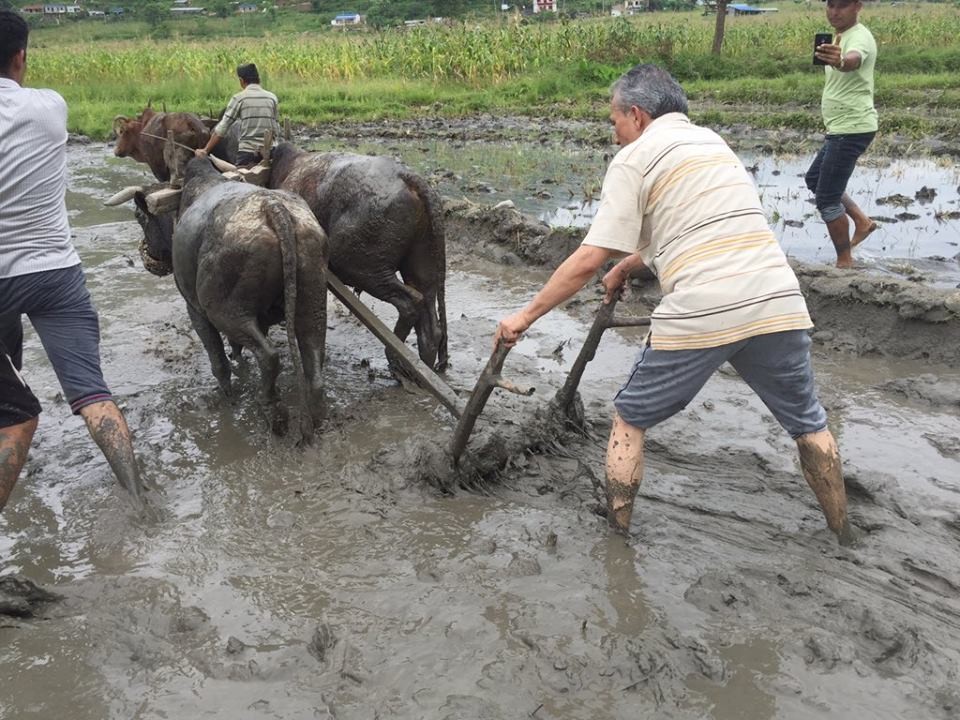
605 319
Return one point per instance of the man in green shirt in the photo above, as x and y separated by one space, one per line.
851 124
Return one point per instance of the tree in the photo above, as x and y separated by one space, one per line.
155 13
719 28
221 8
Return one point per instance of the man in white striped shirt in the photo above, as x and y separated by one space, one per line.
40 274
678 201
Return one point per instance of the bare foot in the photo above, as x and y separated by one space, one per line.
845 264
860 233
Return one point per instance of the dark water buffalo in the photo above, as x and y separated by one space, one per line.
245 258
144 139
380 218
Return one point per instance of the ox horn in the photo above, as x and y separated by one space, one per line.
119 122
221 165
126 194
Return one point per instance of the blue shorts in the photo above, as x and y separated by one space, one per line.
776 366
17 403
60 310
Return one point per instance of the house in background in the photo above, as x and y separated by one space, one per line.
345 19
540 6
54 9
32 10
629 7
744 9
246 7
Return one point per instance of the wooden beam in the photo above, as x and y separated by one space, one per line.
163 200
429 380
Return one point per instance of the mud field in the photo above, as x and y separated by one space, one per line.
347 581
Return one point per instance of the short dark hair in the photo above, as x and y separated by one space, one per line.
13 37
248 73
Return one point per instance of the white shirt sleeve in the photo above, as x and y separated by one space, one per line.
619 218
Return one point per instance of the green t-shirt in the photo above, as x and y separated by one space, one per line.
847 102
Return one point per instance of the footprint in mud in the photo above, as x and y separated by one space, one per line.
947 445
931 580
22 598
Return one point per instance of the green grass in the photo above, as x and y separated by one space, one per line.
764 76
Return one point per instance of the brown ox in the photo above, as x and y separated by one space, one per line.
144 139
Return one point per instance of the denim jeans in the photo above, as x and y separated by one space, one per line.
831 169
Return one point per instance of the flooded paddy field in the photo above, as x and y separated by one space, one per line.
555 172
332 582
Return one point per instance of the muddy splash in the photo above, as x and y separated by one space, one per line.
335 583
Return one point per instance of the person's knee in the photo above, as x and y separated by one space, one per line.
91 404
830 210
624 424
22 432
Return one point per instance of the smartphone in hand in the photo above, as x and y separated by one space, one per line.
818 40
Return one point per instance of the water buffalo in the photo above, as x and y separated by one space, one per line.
380 218
245 258
144 139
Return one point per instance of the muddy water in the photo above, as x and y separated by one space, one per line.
327 583
916 201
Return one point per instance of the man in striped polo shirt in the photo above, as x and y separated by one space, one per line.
255 109
40 273
679 202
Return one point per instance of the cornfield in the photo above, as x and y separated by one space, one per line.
473 54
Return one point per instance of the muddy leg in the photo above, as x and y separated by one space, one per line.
311 325
14 445
213 344
839 230
862 224
428 332
409 303
109 430
624 472
820 461
268 358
